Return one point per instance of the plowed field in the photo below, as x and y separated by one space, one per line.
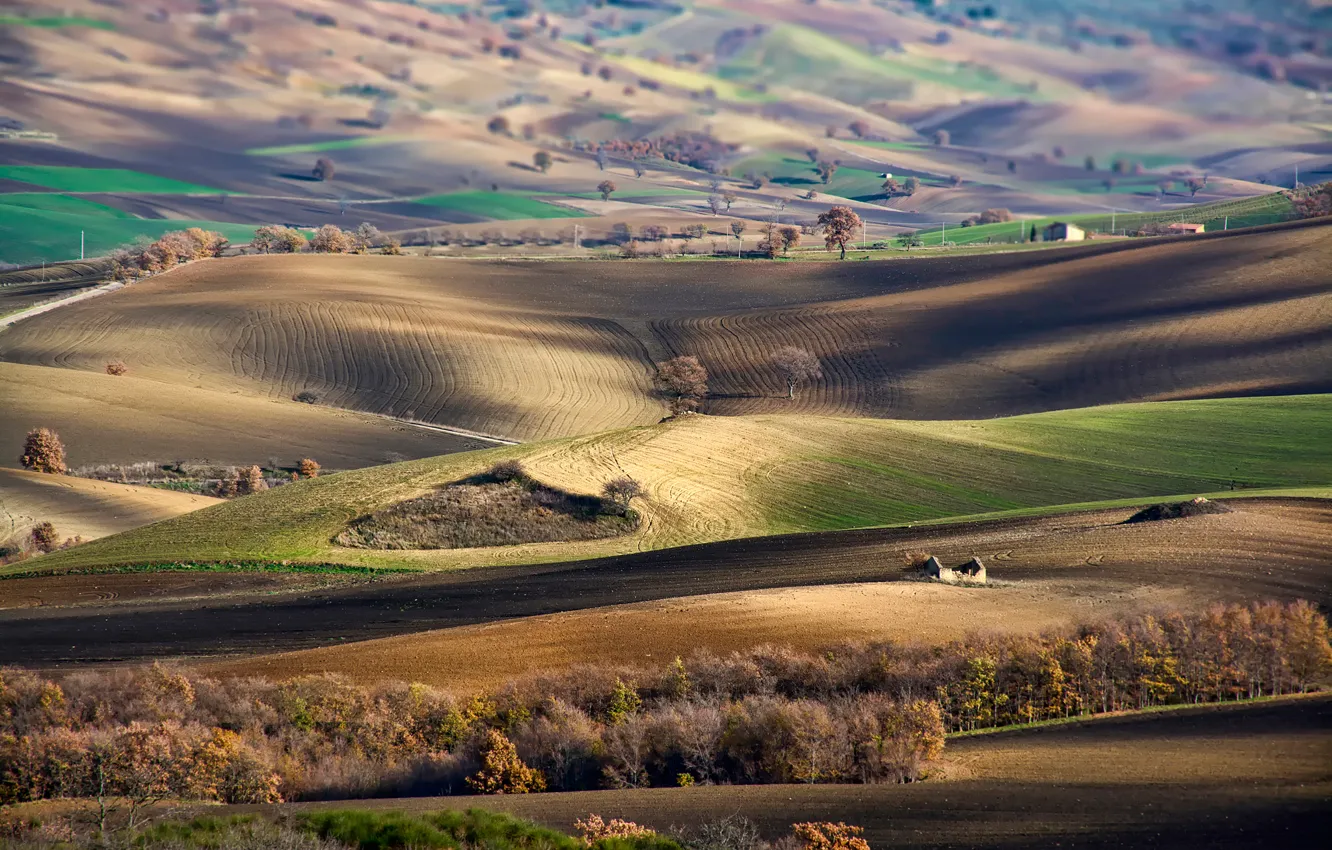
109 419
83 507
534 350
808 589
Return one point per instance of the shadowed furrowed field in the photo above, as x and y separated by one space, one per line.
533 350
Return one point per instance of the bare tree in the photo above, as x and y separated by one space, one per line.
621 491
729 198
796 366
825 169
684 382
716 204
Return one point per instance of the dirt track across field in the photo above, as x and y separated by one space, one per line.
1232 776
1267 548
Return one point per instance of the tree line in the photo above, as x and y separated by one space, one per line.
865 713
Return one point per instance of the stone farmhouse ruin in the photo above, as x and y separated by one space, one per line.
972 572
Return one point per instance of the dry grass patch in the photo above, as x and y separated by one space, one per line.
487 512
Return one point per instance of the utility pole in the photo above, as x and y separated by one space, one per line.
1226 226
943 235
578 241
863 242
80 244
1112 222
1297 176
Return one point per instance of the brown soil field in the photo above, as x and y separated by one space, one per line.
108 419
1047 569
83 507
531 350
1233 776
468 659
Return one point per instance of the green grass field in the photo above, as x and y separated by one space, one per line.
329 145
798 172
54 22
504 206
73 179
1245 212
684 78
37 227
805 58
747 476
640 194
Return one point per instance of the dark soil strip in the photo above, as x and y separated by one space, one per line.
140 631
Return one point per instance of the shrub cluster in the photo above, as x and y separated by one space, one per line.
40 540
172 249
1313 201
503 507
866 713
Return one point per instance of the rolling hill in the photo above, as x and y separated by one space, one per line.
716 478
537 350
82 507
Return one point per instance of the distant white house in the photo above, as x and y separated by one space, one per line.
1062 231
1182 227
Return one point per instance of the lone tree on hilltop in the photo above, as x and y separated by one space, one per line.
44 538
839 227
605 187
942 138
796 366
499 125
1196 185
542 161
323 169
621 491
684 382
859 128
43 452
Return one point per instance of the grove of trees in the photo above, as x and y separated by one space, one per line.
863 713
